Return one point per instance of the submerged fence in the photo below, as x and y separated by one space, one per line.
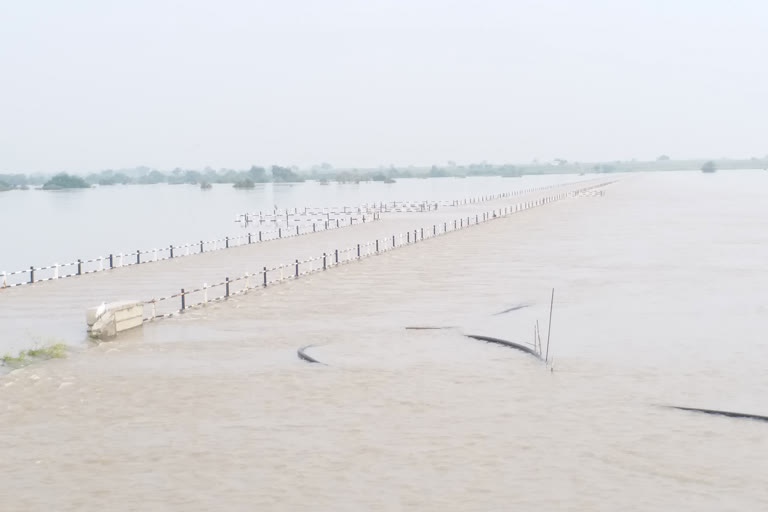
186 298
371 208
117 260
367 212
327 212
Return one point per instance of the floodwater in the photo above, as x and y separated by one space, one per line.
53 311
40 227
661 297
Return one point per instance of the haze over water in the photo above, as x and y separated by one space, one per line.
660 298
41 228
661 290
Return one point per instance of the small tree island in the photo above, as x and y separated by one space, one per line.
63 181
246 183
709 166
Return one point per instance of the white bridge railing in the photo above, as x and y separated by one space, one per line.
185 299
306 220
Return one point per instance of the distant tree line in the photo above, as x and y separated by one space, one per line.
146 176
325 172
180 176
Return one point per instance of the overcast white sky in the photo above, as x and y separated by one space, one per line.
89 85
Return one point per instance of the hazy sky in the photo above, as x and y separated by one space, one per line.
88 85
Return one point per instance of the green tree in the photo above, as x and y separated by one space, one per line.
152 178
14 180
709 166
229 176
435 172
285 175
258 174
63 180
114 179
346 177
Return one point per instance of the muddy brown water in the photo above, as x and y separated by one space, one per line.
54 311
661 297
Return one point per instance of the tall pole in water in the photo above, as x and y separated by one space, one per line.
549 329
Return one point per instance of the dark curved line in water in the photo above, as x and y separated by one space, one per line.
301 352
720 413
426 328
510 344
513 308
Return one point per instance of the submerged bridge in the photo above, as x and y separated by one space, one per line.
49 308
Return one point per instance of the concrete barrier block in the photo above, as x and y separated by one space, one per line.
92 314
129 316
107 320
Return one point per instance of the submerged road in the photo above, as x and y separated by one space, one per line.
54 311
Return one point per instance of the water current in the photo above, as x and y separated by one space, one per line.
661 297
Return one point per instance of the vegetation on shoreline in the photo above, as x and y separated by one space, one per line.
709 167
326 173
63 181
42 353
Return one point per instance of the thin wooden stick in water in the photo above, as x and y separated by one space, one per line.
549 329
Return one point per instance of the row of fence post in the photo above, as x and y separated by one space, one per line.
172 248
172 253
296 272
457 224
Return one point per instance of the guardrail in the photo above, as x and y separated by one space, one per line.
288 219
186 299
391 206
117 260
366 208
305 214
